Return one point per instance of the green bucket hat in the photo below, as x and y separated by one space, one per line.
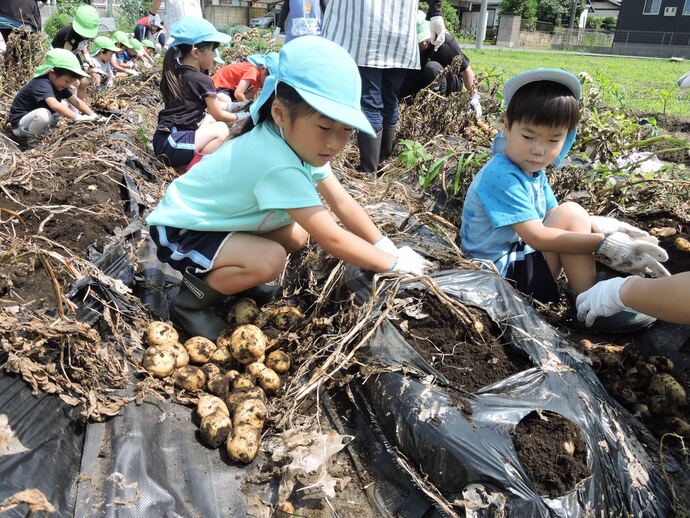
148 43
423 27
120 37
86 21
60 58
136 46
102 43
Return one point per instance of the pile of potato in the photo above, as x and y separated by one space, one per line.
235 372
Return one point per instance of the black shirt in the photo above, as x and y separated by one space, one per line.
190 111
33 96
445 53
25 11
69 35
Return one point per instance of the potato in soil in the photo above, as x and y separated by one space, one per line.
181 356
218 385
666 385
159 333
244 380
190 378
223 357
285 317
252 412
247 344
244 312
215 429
200 349
243 443
210 369
159 361
278 361
209 404
266 378
234 398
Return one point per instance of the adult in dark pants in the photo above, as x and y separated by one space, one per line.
382 39
433 61
15 14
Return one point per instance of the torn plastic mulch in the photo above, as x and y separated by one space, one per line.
466 458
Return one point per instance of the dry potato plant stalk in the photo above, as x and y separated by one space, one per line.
24 53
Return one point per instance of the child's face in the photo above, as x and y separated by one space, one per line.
61 82
106 55
532 147
315 138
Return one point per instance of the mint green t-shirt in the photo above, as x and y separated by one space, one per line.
245 186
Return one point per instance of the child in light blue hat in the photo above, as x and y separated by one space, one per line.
229 223
192 122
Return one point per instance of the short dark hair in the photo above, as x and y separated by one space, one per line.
64 72
545 103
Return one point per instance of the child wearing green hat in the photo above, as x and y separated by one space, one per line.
193 121
75 37
37 106
102 50
121 67
230 221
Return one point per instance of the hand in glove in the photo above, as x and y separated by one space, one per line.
625 254
80 117
474 103
438 31
385 244
236 106
276 33
132 72
601 300
606 225
410 261
240 116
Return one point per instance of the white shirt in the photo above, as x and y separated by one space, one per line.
176 9
376 33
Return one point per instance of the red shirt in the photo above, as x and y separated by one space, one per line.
230 76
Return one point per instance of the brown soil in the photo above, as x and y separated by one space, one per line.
552 451
452 350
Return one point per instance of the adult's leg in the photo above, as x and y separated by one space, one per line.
391 84
372 107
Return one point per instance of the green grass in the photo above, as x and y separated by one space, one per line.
639 81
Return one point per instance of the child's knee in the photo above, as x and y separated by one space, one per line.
222 130
272 263
569 216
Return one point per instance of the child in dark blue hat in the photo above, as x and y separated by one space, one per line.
192 121
230 221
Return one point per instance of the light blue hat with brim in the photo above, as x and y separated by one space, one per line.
259 60
191 30
324 75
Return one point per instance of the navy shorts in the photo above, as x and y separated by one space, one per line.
176 148
182 248
531 274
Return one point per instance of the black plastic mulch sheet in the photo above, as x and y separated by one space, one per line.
456 454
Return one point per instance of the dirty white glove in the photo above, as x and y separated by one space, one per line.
601 300
438 31
242 116
627 255
132 72
606 225
236 106
385 244
475 103
410 261
80 117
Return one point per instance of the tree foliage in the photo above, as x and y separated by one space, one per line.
61 17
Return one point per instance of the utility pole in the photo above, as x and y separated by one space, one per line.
483 17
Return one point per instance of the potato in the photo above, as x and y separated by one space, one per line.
642 411
223 356
190 378
666 385
181 356
244 312
234 398
285 510
252 412
278 361
662 363
682 244
160 333
286 317
159 361
645 371
627 396
209 404
247 344
663 231
245 380
266 378
214 429
218 385
679 426
210 369
657 405
200 349
243 444
232 375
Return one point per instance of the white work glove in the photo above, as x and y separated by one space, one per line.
410 261
601 300
276 33
242 116
385 244
80 117
474 103
438 31
236 106
132 72
625 254
606 225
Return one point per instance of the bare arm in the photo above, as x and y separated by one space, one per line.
217 112
468 79
350 213
550 239
665 298
60 108
241 90
339 242
80 105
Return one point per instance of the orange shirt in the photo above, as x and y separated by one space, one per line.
230 76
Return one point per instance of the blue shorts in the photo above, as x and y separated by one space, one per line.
531 275
182 248
176 148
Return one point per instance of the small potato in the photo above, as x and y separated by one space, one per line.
209 404
663 231
266 378
200 349
646 372
679 426
244 312
223 356
245 380
627 396
642 411
234 398
159 361
682 244
215 429
252 412
232 375
662 363
247 344
181 356
286 317
278 361
657 405
243 444
160 333
218 385
666 385
210 369
190 378
223 339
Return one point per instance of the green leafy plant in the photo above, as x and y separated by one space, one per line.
130 12
665 95
413 153
61 17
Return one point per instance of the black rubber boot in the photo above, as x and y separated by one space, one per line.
262 294
387 139
369 151
192 308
